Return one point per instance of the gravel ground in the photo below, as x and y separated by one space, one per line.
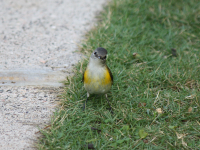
23 110
38 40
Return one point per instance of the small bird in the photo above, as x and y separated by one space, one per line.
97 77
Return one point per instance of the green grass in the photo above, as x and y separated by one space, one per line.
153 79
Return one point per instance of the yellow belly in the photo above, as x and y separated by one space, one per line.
97 82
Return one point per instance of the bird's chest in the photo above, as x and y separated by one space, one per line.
97 81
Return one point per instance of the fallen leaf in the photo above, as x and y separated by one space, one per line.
125 127
184 143
142 134
136 55
145 141
179 136
172 127
107 120
142 104
190 109
159 110
190 97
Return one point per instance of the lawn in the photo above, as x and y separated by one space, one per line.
154 55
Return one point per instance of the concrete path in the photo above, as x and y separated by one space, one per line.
38 40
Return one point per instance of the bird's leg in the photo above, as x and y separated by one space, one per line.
109 104
85 101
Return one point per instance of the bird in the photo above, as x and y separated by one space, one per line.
97 77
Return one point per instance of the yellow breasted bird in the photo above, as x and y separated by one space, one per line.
97 77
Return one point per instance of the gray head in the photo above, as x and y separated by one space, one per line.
100 55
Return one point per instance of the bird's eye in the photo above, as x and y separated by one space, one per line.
104 57
95 53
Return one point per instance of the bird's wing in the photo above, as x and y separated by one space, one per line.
110 73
